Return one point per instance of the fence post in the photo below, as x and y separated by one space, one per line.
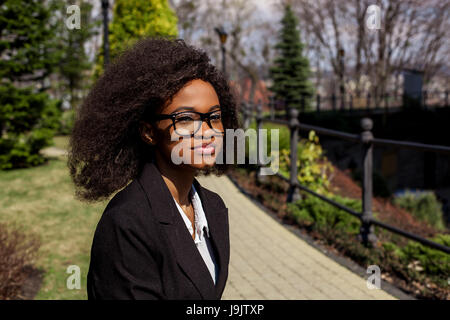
367 235
260 178
272 107
446 98
293 192
303 103
246 113
424 96
386 101
318 103
333 101
250 112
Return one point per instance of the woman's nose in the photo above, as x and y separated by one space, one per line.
205 130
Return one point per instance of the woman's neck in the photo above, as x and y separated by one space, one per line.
178 181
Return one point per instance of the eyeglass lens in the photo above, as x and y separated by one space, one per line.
188 123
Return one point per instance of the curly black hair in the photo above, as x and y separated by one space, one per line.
106 150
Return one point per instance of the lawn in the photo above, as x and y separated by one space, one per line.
42 201
61 142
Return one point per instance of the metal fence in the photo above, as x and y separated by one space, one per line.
367 140
388 102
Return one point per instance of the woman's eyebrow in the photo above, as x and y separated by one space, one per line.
213 107
192 108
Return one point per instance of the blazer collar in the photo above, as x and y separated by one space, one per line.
186 252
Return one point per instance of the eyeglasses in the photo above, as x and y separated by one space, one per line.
187 123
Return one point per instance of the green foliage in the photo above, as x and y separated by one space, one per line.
135 19
432 261
29 121
313 167
320 215
67 122
73 61
291 70
283 135
283 140
391 248
422 259
28 118
424 206
27 40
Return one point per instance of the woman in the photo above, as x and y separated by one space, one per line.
160 105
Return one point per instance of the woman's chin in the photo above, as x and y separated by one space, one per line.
206 162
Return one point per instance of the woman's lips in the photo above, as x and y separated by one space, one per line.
205 148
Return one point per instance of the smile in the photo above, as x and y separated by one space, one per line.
205 148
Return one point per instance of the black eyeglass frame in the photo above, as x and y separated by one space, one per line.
203 116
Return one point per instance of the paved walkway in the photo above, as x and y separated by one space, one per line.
270 262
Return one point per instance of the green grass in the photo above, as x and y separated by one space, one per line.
61 142
42 201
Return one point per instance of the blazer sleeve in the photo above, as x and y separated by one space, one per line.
123 265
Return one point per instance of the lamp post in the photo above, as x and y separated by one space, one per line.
341 54
105 7
223 38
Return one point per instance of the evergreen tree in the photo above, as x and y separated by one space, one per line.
291 70
73 61
134 19
28 117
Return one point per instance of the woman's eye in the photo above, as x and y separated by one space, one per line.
215 117
184 118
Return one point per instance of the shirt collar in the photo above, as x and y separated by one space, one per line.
199 216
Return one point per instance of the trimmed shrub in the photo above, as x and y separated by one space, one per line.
17 252
28 121
424 206
432 261
320 215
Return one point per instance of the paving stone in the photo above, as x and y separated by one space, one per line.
267 261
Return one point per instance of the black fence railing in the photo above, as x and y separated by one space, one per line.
367 140
390 101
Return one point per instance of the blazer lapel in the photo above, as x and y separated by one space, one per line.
186 253
218 226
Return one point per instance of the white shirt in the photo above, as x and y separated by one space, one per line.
202 243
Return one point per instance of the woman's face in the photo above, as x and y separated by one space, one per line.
200 150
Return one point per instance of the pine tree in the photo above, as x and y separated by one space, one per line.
28 117
134 19
291 70
73 61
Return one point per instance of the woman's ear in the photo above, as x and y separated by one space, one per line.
147 133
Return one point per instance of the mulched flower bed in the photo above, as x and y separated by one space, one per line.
272 195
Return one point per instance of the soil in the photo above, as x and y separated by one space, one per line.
32 284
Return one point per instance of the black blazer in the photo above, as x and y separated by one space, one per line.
143 250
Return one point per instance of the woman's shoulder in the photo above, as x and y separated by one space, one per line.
128 209
212 196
